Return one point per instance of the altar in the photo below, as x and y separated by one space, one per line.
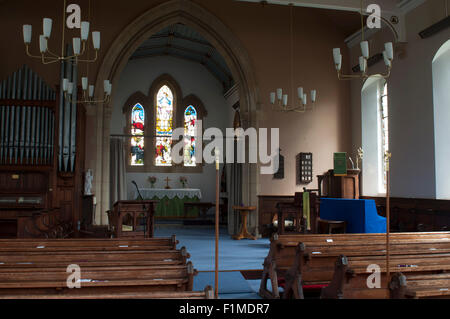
171 201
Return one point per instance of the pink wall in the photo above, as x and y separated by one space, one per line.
264 31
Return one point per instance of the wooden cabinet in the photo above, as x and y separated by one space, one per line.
334 186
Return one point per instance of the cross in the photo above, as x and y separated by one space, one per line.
360 156
167 181
387 156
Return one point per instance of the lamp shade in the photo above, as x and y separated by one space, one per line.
300 92
105 85
389 50
386 60
279 94
285 99
84 30
65 84
76 46
84 83
336 55
70 88
96 39
313 95
47 27
362 64
42 44
272 97
365 49
339 64
91 90
27 28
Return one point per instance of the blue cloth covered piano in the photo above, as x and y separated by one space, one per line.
360 214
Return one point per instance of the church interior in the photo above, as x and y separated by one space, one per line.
229 149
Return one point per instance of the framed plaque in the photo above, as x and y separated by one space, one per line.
304 168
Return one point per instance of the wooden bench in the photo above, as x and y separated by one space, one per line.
84 244
105 268
312 258
420 286
351 274
207 293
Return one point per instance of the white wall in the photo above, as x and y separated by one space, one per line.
411 114
441 94
193 78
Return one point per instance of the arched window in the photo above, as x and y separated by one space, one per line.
164 126
441 102
137 132
375 135
384 134
190 119
153 118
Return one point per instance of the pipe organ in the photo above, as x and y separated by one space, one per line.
41 135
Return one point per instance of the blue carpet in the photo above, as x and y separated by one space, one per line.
199 241
235 255
230 282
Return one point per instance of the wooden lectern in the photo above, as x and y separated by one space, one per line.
132 218
334 186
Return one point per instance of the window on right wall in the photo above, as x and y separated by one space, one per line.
384 133
375 135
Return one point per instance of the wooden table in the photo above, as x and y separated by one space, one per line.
133 211
244 210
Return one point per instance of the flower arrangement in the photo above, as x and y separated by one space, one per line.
183 181
152 180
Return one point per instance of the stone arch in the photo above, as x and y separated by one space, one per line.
126 43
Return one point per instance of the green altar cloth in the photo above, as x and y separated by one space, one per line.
173 208
171 202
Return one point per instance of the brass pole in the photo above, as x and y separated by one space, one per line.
216 279
388 272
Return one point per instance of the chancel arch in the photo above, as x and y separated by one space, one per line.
226 43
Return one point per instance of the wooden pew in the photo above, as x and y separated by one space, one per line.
320 253
92 259
420 286
207 293
107 270
84 244
351 274
98 280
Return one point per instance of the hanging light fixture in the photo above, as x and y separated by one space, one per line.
80 47
88 91
79 43
388 57
281 100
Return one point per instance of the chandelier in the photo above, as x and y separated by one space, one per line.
88 91
388 57
79 43
281 100
80 47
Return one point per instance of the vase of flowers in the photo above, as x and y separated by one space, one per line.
183 181
152 180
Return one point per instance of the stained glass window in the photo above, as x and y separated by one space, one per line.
137 132
164 126
190 118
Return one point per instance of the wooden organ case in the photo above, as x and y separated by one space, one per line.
41 158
